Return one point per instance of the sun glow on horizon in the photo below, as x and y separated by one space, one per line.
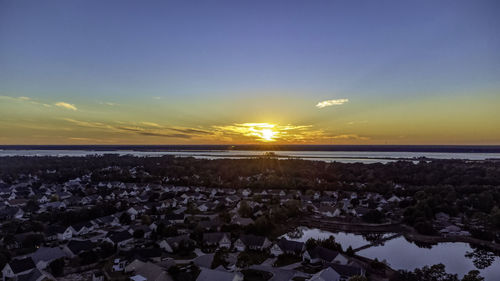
263 131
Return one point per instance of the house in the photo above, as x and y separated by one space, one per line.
34 275
284 246
252 242
119 238
67 234
242 221
232 199
82 228
43 199
17 202
328 211
149 271
57 232
108 220
203 207
210 224
204 260
17 267
361 211
327 274
133 212
221 239
11 242
57 205
211 274
174 218
43 256
394 199
146 230
324 255
75 247
246 192
9 213
172 243
98 276
138 278
143 254
347 271
118 265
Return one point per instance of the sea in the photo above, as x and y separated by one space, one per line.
329 153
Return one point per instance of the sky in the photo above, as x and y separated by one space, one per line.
249 72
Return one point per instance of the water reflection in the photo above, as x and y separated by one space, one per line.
481 258
372 237
459 258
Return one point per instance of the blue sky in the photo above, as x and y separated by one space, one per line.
250 59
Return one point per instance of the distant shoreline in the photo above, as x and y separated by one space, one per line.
265 147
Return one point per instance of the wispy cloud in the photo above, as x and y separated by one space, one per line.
349 137
66 105
107 103
357 122
94 125
142 128
15 98
25 100
151 124
326 103
179 136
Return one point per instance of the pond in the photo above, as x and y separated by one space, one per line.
459 258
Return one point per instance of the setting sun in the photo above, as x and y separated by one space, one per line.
267 134
263 131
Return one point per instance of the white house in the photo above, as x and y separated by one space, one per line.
67 234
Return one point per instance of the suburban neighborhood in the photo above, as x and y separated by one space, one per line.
88 229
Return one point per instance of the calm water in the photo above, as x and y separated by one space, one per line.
329 156
402 254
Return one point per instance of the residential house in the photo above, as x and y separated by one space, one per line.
328 211
214 224
34 275
170 244
98 276
174 218
252 242
119 239
17 267
147 270
211 274
242 221
43 256
327 274
219 239
76 247
347 271
9 213
82 228
57 232
324 255
284 246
